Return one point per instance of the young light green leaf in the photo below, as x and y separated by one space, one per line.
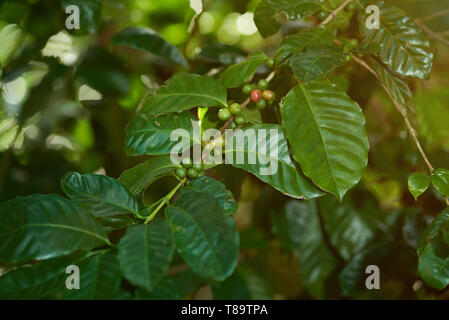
185 91
433 260
418 184
318 36
41 227
150 41
326 130
138 179
100 279
103 196
285 176
151 135
215 189
10 36
316 62
240 73
205 238
145 253
403 45
440 180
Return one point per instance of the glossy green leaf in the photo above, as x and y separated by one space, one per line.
185 91
36 281
138 179
282 175
100 279
240 73
418 184
433 252
205 238
150 135
292 44
90 12
103 196
150 41
352 277
326 131
348 229
145 253
316 261
403 45
269 13
215 189
440 180
10 38
165 290
41 227
316 62
399 91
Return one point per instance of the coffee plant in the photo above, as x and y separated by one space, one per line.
350 175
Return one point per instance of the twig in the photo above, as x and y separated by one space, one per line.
434 35
433 16
334 13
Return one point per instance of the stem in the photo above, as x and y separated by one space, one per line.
434 35
433 15
165 200
334 13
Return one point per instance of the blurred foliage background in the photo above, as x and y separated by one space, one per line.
67 97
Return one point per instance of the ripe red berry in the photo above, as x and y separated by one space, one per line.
256 95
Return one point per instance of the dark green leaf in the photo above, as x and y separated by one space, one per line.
418 184
326 130
150 135
316 62
138 179
440 180
205 238
145 253
150 41
103 196
240 73
165 290
403 45
283 174
185 91
100 279
305 38
46 226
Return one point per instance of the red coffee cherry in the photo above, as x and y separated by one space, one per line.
255 95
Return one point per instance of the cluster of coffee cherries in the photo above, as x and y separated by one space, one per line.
190 169
260 94
235 109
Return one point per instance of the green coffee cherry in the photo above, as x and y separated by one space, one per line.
235 109
270 63
263 84
181 173
224 114
198 166
261 104
247 88
186 162
192 173
201 174
239 120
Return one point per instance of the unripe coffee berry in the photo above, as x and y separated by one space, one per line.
192 173
270 63
256 95
239 120
198 166
235 109
263 84
268 95
261 104
181 173
224 114
247 88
